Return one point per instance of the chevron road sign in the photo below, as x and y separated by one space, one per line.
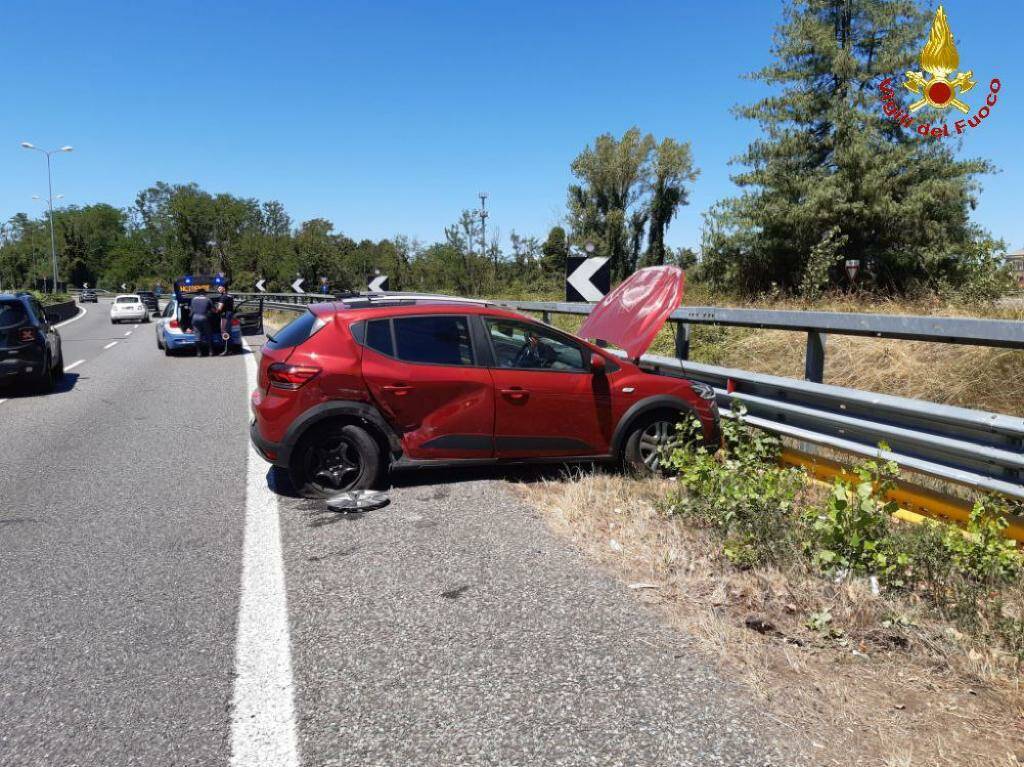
297 285
378 283
586 279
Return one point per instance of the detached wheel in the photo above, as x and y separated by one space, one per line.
334 458
648 441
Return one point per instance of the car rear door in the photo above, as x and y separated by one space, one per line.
428 378
548 403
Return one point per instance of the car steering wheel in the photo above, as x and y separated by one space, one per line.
521 355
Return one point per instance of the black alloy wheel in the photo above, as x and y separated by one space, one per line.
336 458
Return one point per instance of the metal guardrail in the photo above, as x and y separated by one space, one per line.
972 447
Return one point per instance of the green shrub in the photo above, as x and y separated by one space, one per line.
741 491
852 532
982 552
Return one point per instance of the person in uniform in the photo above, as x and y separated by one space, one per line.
201 309
225 309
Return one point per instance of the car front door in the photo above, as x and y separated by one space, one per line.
548 403
432 385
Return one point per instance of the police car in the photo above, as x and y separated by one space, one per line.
174 328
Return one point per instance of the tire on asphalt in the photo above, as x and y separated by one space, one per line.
334 457
47 381
648 437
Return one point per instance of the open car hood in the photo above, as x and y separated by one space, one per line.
632 314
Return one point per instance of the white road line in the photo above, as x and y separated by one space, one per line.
112 343
127 334
2 401
263 713
73 365
73 319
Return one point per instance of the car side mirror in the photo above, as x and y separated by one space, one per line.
597 364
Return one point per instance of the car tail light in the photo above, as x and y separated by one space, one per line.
285 376
27 335
236 323
173 324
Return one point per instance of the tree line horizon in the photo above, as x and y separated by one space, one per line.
831 179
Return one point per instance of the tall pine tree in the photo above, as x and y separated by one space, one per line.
831 178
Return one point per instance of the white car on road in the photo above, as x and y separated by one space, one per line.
128 308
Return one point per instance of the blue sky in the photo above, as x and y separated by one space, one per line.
389 117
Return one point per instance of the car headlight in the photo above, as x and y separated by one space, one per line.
703 391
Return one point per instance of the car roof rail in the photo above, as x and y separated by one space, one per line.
438 297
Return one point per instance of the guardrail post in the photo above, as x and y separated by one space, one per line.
546 317
814 364
682 341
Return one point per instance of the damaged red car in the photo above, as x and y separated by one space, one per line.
354 388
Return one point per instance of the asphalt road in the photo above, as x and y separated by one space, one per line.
450 628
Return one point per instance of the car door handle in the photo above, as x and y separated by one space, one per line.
515 393
399 390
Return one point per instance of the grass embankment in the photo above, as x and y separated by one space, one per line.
876 641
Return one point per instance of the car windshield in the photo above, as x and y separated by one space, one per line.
128 300
12 314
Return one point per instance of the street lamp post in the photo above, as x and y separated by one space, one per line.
49 180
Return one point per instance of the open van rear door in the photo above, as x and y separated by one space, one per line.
632 314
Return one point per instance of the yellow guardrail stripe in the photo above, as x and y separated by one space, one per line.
915 502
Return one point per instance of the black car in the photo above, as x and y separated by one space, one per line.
87 296
30 350
150 300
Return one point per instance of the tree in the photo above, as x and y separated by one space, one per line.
555 251
672 168
832 178
628 188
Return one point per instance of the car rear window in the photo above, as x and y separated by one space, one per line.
437 340
295 332
12 314
128 300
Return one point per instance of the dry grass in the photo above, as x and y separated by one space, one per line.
274 320
915 693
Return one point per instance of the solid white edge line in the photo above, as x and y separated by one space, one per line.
112 343
127 334
82 312
73 365
263 730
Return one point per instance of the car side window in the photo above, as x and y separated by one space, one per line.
525 346
37 310
378 337
434 340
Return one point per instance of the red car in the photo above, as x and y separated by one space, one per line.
354 387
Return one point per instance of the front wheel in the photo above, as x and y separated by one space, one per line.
650 440
335 458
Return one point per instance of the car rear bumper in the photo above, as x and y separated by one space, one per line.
25 364
181 341
269 451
